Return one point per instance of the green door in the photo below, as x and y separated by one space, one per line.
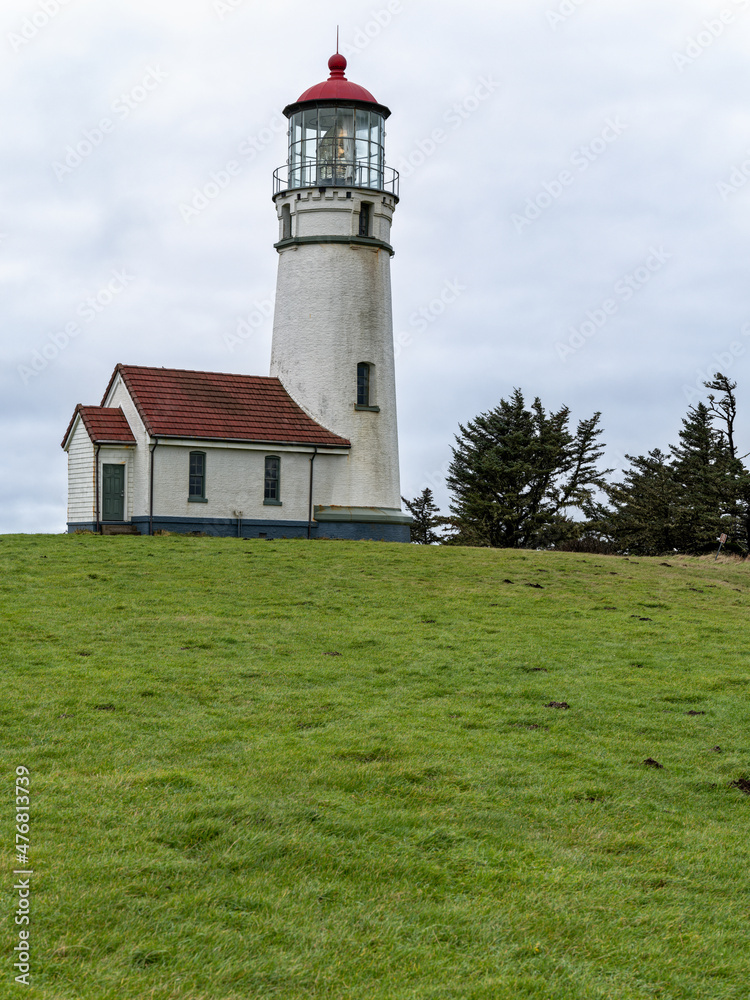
113 493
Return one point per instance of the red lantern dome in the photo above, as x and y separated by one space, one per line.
337 87
337 90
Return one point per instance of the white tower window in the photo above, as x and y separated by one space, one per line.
286 222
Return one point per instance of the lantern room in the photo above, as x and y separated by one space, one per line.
336 138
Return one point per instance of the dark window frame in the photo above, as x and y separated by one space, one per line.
197 479
286 222
272 481
365 219
364 383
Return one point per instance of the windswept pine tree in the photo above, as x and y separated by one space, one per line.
684 500
723 410
519 475
704 487
643 516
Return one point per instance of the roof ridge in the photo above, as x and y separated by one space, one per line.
195 371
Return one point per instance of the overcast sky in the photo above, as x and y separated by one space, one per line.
572 187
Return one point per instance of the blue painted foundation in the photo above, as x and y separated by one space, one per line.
363 532
224 527
228 528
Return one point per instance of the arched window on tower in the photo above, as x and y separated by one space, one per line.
364 384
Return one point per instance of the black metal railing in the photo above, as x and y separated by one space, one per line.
341 174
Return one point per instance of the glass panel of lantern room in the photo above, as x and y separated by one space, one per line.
296 135
327 145
295 150
363 148
310 146
377 157
345 149
296 128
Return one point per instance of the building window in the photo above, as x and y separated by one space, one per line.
286 222
197 489
364 384
272 493
365 213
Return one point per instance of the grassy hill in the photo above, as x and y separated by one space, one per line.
327 770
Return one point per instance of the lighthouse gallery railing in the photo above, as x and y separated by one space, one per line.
341 174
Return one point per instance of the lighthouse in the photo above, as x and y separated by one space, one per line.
312 450
333 324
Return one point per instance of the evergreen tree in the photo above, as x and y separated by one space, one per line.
644 507
705 489
682 501
724 409
518 473
426 517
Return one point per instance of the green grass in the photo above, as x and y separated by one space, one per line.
223 810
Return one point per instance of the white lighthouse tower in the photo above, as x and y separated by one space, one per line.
333 324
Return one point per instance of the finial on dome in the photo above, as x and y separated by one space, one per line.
337 65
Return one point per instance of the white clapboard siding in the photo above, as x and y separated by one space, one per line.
81 503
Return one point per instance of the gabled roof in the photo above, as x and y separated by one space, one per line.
103 425
214 406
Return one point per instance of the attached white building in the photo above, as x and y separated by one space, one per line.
312 450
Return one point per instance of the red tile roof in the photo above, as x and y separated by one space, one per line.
104 425
214 406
